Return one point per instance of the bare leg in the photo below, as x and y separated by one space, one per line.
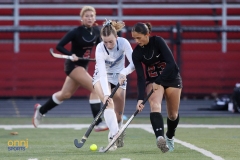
80 75
173 100
109 114
155 100
156 118
99 91
119 103
68 89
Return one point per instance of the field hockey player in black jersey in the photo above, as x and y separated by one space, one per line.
162 75
83 39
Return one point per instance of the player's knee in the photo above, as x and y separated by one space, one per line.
66 95
94 93
172 116
154 104
119 116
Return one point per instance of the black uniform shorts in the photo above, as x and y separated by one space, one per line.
69 66
175 83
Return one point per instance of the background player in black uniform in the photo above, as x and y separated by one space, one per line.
162 75
83 39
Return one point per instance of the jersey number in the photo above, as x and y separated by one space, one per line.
152 69
87 54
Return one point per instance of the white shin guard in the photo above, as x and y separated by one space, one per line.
120 124
111 121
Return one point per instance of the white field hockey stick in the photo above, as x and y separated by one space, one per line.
84 138
102 149
67 57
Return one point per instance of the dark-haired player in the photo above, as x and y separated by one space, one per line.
162 75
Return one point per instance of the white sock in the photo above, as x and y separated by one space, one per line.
120 124
111 121
55 99
94 101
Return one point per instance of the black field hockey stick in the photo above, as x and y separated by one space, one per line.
102 149
56 55
90 128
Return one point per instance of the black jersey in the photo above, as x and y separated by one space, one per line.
83 39
159 63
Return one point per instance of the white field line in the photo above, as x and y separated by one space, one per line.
146 127
190 146
81 126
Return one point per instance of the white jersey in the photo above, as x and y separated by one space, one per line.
113 61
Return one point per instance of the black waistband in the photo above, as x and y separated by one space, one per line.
112 73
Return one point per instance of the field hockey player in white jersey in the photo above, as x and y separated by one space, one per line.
109 71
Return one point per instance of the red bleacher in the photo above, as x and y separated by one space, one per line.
210 72
34 73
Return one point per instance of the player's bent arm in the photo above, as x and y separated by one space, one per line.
64 41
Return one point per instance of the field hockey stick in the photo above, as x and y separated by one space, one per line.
102 149
56 55
84 138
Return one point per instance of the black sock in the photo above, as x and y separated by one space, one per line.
50 104
157 123
95 107
172 125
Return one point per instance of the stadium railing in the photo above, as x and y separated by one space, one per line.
120 8
26 23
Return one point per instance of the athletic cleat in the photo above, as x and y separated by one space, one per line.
37 117
161 143
170 143
114 146
120 140
102 126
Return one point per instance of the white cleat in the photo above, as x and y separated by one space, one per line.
170 143
37 117
102 126
113 147
161 143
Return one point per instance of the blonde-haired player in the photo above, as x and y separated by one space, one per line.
109 70
83 39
